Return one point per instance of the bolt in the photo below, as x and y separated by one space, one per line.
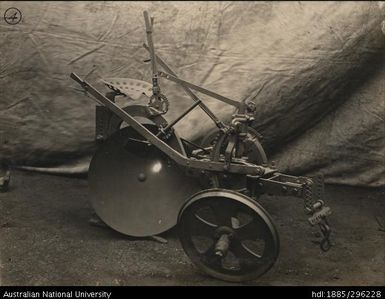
141 177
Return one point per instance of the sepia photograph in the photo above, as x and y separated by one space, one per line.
192 143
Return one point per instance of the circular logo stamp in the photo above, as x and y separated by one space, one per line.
12 16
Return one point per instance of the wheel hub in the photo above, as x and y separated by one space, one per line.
224 230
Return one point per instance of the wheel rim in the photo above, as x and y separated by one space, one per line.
253 240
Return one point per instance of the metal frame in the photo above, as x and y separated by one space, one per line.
193 96
164 147
261 179
154 139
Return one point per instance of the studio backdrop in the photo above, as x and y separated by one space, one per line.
315 70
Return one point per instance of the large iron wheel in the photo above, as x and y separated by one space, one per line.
228 235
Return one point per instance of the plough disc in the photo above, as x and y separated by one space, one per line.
135 189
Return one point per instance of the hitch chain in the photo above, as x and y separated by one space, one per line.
318 212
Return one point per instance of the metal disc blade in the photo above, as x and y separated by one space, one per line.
135 188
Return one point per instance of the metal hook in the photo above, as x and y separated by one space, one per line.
325 243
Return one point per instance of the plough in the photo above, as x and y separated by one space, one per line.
145 179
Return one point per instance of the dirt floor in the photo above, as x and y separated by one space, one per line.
45 239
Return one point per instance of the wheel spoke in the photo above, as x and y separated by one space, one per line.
255 229
223 210
201 227
247 258
241 251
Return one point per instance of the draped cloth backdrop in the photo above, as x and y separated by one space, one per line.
315 70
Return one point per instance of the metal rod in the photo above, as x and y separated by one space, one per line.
200 89
193 96
195 145
150 43
175 121
164 147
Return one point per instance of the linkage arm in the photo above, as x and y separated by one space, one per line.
165 148
193 96
200 89
311 190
